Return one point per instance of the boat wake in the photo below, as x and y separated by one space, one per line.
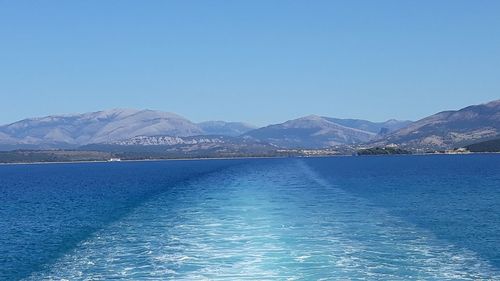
275 221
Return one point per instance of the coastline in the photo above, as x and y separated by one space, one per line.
148 160
235 158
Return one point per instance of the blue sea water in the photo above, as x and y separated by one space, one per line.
341 218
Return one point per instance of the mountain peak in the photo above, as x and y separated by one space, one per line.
312 117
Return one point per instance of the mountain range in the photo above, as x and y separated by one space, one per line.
132 128
70 131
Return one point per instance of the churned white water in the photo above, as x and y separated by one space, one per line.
273 221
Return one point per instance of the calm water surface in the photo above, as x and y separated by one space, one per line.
346 218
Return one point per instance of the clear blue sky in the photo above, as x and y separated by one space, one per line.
255 61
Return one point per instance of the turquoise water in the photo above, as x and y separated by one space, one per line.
348 218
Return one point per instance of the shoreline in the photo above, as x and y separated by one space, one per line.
143 160
233 158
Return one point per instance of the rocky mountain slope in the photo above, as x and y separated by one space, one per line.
319 132
450 129
185 146
310 132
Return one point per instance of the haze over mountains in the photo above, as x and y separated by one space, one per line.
131 127
225 128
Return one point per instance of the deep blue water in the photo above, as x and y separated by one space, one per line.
342 218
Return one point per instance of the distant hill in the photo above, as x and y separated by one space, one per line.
94 127
450 129
70 131
319 132
485 146
382 151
